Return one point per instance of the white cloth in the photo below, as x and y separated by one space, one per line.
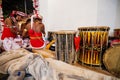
17 69
9 43
39 68
17 76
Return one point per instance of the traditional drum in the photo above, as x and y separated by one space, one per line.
65 50
117 33
94 41
111 60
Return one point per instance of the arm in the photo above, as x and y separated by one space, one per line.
9 24
42 29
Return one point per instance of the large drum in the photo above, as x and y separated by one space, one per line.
111 60
94 41
65 50
117 33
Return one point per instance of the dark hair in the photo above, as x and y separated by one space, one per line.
15 15
28 21
37 19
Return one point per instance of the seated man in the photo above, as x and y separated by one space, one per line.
9 29
35 32
39 26
26 28
20 21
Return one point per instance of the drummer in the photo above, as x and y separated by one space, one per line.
36 32
26 29
39 26
9 27
20 19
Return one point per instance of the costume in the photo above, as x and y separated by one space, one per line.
36 39
7 33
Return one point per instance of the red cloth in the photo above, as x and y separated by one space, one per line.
36 39
115 42
77 43
7 33
21 13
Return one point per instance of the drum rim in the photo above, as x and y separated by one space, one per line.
94 28
66 32
116 29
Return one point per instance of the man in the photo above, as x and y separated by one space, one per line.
36 32
20 20
9 29
39 26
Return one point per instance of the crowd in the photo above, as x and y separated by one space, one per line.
23 31
20 27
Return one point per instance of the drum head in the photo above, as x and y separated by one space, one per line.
111 60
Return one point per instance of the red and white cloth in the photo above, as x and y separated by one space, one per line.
17 13
1 16
21 13
115 42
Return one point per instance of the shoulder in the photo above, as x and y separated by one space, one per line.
42 25
28 26
8 21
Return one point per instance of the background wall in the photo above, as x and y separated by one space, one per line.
71 14
43 10
107 13
117 20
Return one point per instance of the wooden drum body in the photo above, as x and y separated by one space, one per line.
111 60
65 50
94 41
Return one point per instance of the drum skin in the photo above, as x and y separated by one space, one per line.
111 60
